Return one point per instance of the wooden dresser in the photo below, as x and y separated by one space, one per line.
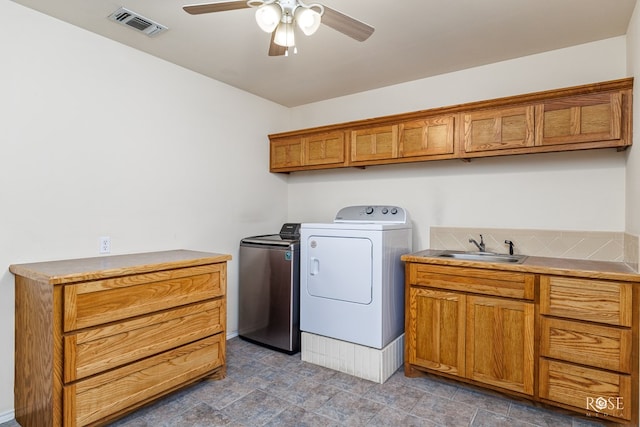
99 337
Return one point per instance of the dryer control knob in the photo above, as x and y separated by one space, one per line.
394 211
385 211
369 210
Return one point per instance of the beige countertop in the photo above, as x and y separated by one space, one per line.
540 265
75 270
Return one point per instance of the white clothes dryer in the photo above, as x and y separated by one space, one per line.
351 275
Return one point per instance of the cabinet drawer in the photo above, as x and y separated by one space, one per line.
589 390
102 301
599 346
95 398
585 299
480 281
92 351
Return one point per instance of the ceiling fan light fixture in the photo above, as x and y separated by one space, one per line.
308 20
284 35
268 16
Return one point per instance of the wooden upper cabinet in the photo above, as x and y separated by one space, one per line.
307 152
499 129
597 115
286 154
324 149
376 143
580 119
427 137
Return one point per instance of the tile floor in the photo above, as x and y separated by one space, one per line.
268 388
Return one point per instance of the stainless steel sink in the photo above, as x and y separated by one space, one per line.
483 256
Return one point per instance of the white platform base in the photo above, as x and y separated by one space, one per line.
363 362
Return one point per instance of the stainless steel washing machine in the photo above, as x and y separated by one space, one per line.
269 289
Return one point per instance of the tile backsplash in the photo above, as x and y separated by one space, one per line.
591 245
632 250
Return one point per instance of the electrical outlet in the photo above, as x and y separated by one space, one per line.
105 245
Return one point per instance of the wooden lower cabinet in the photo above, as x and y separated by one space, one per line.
484 338
97 338
563 340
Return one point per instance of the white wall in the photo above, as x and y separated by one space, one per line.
633 162
573 191
100 139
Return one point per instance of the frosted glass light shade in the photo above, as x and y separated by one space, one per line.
268 17
308 20
284 35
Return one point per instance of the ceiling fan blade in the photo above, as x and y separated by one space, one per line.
276 49
347 25
197 9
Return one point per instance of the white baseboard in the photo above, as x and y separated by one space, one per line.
5 417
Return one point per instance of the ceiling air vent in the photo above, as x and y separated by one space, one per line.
137 22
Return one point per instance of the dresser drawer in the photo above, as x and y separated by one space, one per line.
96 350
113 392
603 347
480 281
589 390
586 299
102 301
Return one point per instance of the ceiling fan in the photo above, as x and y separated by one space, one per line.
279 16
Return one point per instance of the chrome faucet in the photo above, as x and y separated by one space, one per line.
480 245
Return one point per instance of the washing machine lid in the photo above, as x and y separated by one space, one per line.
269 239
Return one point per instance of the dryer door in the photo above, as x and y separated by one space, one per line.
340 268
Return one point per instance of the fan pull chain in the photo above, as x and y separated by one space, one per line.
295 50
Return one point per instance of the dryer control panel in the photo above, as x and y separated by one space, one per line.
372 213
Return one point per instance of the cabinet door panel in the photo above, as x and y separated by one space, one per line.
580 119
591 391
286 153
323 149
500 337
499 129
427 137
374 144
436 330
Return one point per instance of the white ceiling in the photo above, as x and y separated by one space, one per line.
413 39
